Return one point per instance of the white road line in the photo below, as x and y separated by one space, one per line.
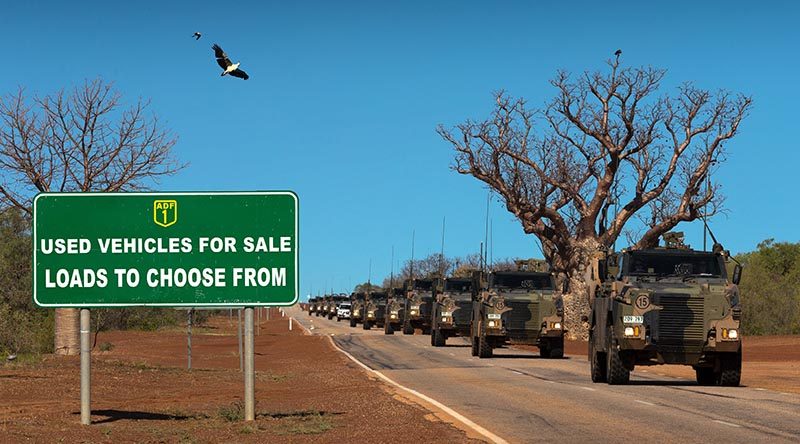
588 388
549 381
730 424
760 389
459 417
519 373
451 354
643 402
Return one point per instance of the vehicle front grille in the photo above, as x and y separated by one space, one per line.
463 316
524 315
680 323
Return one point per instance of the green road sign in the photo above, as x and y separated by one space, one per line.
222 249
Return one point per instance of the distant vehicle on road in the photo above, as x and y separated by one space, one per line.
519 307
666 305
375 309
452 309
343 310
419 302
395 309
357 308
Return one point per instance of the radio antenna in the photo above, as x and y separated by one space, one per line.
486 228
441 253
391 275
413 234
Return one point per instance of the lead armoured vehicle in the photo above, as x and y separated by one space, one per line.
666 305
518 307
395 308
452 309
419 301
375 309
357 308
312 305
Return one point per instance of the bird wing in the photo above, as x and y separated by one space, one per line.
222 59
239 73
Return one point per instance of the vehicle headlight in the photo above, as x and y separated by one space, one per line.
413 312
393 316
492 324
355 312
730 334
555 326
632 331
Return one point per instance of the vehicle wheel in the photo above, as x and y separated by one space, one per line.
352 323
437 338
338 319
367 325
556 348
408 329
597 364
705 375
484 348
731 372
387 328
544 349
615 369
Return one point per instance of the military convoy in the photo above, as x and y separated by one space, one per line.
452 309
664 305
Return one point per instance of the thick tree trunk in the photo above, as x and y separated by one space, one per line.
576 301
67 337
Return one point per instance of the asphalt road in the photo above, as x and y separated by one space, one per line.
523 398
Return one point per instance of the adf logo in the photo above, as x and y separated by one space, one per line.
165 212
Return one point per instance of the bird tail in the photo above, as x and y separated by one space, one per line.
223 73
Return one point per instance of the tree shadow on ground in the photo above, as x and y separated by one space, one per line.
297 414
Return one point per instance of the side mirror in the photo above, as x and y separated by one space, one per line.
737 274
565 286
602 270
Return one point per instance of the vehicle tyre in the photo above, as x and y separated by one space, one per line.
437 338
367 325
474 346
705 375
338 319
388 329
730 374
616 372
408 329
484 348
597 364
544 349
352 323
556 348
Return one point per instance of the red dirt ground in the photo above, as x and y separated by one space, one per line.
142 392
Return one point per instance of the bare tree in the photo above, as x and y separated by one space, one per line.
77 141
605 149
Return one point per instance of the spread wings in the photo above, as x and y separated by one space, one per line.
239 73
222 59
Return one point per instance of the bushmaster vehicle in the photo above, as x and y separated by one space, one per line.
666 305
375 309
395 307
419 301
357 308
320 306
516 306
452 309
312 305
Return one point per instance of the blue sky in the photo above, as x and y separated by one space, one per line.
344 98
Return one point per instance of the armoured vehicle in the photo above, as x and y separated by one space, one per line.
331 306
320 311
375 309
312 305
665 305
395 308
357 308
419 301
519 307
452 309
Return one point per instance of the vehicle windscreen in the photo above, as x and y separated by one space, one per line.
648 264
527 281
458 285
423 284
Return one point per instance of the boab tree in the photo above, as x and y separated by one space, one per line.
82 140
607 156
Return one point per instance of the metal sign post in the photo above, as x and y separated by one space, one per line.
189 338
239 334
249 366
86 367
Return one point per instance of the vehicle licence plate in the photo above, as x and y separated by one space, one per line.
633 319
493 316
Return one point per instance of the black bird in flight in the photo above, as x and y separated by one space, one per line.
197 35
618 53
226 64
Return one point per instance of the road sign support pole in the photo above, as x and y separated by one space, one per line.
86 367
189 338
249 367
239 333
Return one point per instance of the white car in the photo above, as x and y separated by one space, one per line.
342 311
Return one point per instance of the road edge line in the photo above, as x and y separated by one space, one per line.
457 416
